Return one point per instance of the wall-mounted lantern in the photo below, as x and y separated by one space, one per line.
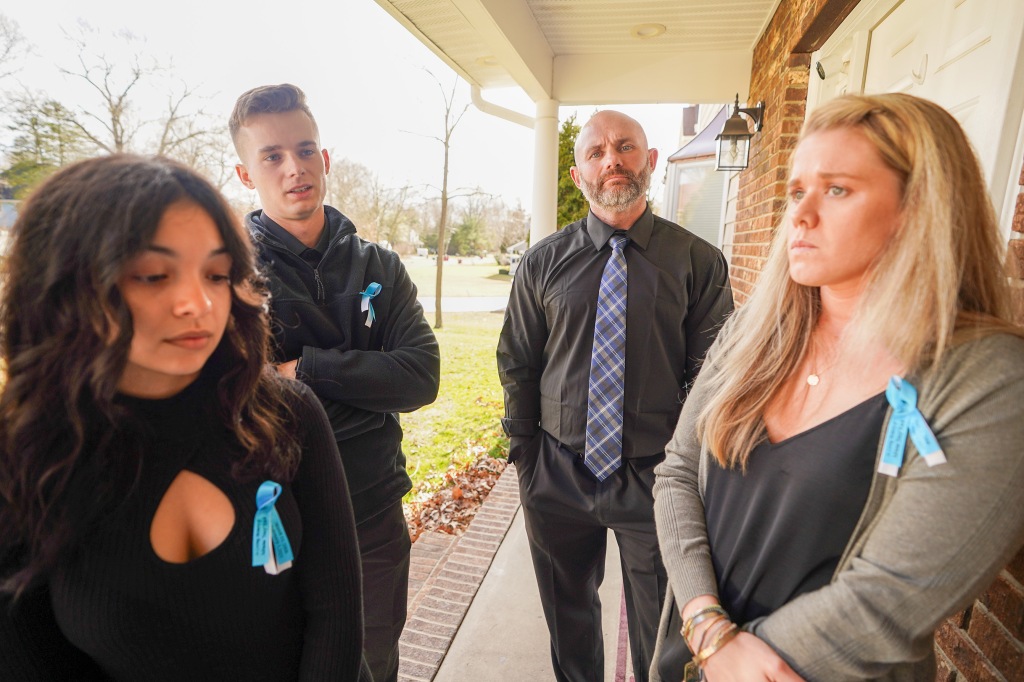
734 140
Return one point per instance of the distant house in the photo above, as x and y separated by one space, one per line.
515 254
693 190
8 214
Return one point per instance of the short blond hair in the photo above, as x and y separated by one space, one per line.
267 99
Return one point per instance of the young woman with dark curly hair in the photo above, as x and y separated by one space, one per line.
169 507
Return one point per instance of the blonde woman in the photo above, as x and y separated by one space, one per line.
848 470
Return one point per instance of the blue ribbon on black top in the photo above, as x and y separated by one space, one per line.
270 546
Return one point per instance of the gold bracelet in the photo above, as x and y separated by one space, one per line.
711 618
719 642
708 631
698 618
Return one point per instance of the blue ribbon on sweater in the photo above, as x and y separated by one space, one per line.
906 420
270 546
365 306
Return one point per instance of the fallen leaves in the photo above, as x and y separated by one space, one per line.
451 508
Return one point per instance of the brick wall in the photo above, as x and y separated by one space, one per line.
781 68
986 641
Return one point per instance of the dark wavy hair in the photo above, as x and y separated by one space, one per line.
69 453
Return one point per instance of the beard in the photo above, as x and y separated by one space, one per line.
619 197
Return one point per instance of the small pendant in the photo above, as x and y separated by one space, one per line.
812 379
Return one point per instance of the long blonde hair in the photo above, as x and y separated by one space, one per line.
939 277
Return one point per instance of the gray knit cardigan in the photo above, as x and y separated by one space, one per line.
927 542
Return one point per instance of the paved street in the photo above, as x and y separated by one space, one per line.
465 304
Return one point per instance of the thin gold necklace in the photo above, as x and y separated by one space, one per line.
814 378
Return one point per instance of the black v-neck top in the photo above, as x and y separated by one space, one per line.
779 529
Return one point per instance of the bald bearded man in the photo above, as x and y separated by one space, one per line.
606 327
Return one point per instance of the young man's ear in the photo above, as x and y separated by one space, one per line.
243 175
327 161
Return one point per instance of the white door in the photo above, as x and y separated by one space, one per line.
963 54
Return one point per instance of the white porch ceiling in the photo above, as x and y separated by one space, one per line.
587 51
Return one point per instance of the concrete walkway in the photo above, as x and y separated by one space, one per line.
474 609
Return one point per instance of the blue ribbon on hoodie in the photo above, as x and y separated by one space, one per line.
365 306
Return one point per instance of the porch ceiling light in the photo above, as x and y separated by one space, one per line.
734 140
645 31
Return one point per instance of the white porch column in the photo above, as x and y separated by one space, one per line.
545 171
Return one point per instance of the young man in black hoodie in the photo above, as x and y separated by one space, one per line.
347 324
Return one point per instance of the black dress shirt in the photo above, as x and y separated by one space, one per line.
678 296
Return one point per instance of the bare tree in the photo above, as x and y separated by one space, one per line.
191 136
182 130
113 80
472 220
484 222
348 185
452 117
391 207
511 226
424 218
115 119
179 125
210 153
381 213
12 44
359 193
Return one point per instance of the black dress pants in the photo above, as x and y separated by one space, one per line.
568 513
384 547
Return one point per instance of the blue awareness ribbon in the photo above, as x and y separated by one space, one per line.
267 528
365 306
906 420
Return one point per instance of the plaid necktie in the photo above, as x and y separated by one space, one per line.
607 367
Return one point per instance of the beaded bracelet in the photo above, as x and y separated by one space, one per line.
723 638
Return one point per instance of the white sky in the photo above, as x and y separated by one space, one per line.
365 77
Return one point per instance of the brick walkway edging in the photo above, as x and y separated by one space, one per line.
445 574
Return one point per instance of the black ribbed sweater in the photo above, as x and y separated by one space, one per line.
115 610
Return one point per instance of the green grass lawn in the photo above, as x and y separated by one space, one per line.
463 423
460 279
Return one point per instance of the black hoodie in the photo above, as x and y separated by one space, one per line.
362 374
